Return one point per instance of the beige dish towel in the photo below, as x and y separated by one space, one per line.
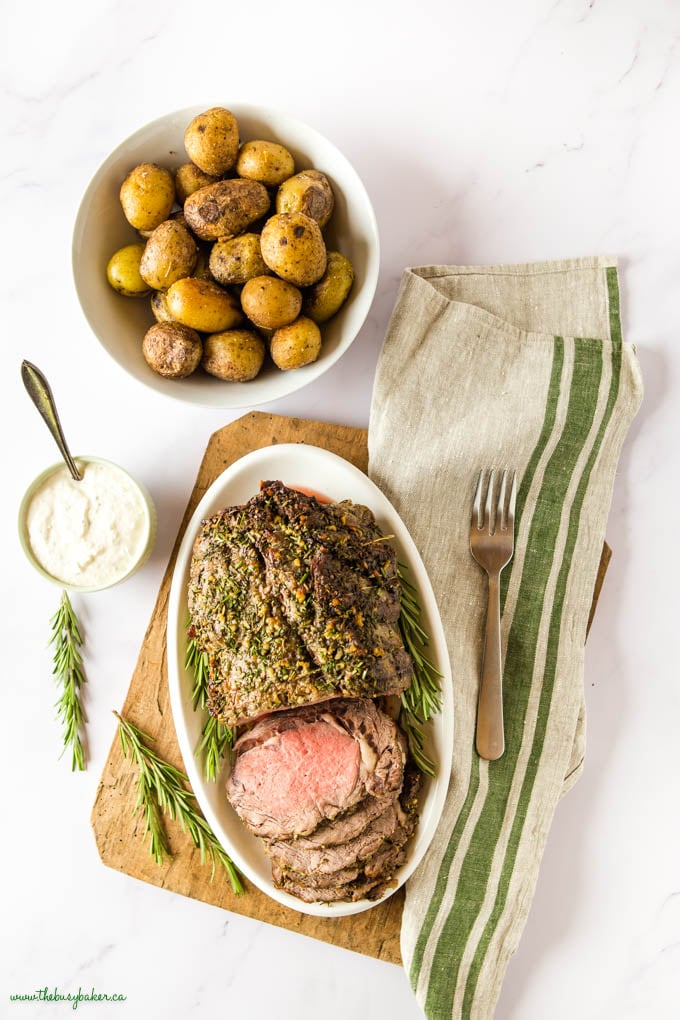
520 366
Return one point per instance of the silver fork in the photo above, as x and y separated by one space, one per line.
492 544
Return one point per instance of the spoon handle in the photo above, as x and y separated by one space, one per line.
40 393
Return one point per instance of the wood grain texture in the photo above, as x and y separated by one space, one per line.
119 834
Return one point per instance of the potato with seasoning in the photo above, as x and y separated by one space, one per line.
237 259
169 255
225 208
308 192
328 294
270 302
293 247
235 355
296 345
266 162
147 195
178 214
123 273
172 350
203 305
189 178
212 141
159 307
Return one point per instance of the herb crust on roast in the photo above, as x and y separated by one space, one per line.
295 601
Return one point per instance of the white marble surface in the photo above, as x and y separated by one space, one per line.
484 132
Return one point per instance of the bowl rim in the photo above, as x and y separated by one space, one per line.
150 523
297 381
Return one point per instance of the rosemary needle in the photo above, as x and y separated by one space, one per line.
161 788
68 670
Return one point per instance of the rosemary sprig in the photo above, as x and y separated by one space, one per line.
68 670
161 788
423 698
216 738
196 662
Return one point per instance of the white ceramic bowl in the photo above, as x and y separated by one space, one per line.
120 323
147 525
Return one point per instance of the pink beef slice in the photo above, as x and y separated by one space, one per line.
295 770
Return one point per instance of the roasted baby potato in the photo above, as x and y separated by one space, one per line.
172 350
189 178
237 259
211 141
147 195
235 355
169 255
225 208
329 293
308 192
203 305
296 345
270 302
266 162
123 273
159 307
293 247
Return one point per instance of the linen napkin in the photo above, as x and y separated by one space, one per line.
518 366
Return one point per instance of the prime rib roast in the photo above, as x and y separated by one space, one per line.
296 604
295 601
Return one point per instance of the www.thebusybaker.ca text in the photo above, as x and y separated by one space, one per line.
75 998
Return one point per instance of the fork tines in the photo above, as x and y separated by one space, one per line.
487 509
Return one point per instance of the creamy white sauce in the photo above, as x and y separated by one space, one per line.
88 533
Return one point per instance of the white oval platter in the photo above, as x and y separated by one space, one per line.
314 468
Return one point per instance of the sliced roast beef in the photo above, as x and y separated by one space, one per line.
376 867
361 866
294 770
347 826
393 827
383 864
359 889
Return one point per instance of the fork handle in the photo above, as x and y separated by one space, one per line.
490 738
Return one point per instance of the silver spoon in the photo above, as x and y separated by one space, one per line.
40 393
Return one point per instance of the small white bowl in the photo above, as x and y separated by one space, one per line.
148 523
120 323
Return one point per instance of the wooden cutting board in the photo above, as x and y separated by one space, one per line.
119 833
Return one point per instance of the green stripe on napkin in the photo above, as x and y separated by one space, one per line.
522 366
